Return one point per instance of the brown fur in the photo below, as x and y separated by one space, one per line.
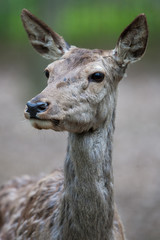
79 203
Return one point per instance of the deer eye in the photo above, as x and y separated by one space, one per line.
96 77
46 73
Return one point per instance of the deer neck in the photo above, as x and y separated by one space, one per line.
88 205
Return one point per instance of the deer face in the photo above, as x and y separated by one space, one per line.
79 85
82 83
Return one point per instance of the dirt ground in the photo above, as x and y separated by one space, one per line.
136 155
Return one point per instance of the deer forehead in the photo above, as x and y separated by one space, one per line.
78 63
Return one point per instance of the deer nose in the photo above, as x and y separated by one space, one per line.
37 107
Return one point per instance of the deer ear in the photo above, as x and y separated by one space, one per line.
47 42
132 42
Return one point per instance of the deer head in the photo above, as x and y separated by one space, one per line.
82 83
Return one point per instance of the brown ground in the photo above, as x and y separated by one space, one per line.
24 150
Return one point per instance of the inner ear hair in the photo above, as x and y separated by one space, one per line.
132 42
47 42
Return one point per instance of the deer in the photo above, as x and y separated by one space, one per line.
76 203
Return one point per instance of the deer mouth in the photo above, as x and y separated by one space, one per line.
43 123
56 122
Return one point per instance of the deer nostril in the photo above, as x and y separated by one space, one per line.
37 107
42 106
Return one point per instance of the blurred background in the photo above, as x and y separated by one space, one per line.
136 155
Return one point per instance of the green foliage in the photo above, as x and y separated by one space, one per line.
98 21
80 21
10 23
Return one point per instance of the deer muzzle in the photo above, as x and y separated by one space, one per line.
34 108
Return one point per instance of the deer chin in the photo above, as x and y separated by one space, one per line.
46 124
41 124
58 126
